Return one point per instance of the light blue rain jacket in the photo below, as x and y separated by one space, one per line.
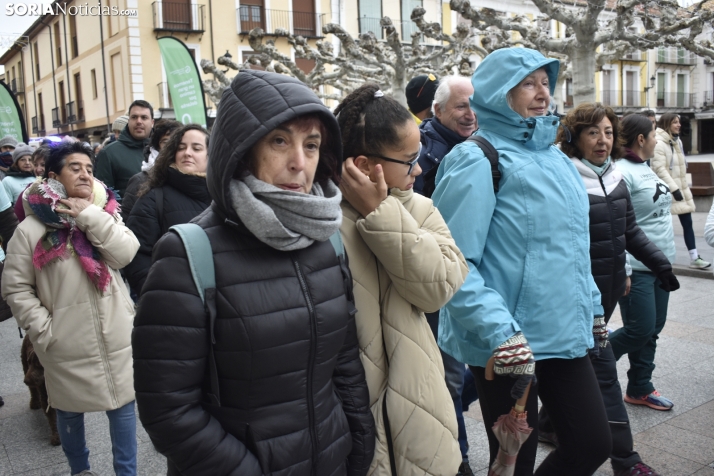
528 248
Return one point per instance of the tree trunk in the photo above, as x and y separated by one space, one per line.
399 86
583 59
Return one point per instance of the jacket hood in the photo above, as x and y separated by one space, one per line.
664 135
256 103
497 74
127 139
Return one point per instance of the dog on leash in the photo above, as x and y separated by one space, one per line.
35 380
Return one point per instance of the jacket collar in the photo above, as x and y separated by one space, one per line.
433 126
129 141
192 185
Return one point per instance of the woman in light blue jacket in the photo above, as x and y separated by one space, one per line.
529 299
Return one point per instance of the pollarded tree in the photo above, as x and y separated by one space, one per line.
390 63
598 31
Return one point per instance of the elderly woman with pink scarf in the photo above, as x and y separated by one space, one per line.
62 282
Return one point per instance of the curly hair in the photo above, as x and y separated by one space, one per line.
370 124
161 128
160 171
586 115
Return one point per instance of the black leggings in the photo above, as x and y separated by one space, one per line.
686 220
569 390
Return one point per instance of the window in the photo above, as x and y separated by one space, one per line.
58 45
79 105
73 35
608 95
682 97
41 110
252 15
117 82
408 26
62 103
304 18
37 63
93 74
661 54
247 54
631 93
370 12
660 89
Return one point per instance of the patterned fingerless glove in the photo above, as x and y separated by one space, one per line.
600 331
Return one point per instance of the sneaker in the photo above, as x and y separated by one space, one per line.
640 469
87 472
548 437
653 400
465 469
699 263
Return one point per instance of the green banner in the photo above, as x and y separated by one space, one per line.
11 121
184 81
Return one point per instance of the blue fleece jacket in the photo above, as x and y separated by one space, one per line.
528 249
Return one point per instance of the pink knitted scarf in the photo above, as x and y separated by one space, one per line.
63 239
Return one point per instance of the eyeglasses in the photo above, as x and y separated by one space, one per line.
410 163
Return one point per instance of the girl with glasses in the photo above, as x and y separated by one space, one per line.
404 262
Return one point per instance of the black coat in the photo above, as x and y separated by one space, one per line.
184 198
437 140
294 400
614 230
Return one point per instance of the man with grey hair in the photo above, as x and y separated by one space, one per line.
453 123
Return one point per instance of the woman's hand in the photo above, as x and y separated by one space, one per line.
75 205
359 190
628 284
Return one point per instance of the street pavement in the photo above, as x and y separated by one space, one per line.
678 442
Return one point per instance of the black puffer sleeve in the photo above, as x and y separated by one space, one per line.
8 223
351 386
131 194
170 345
144 222
639 246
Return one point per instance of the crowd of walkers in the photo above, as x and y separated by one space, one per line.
304 291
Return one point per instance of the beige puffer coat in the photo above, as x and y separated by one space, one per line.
670 165
82 338
404 262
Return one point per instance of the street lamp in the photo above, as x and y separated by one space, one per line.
653 80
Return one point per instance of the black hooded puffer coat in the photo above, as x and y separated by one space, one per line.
614 230
294 400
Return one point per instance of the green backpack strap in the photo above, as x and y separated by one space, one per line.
200 260
336 242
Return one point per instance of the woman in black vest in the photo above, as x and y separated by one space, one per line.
272 383
175 193
590 137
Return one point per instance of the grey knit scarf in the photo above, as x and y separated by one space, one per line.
287 220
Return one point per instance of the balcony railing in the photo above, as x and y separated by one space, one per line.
71 112
405 28
676 56
634 56
56 118
708 99
625 98
675 100
306 24
16 86
178 16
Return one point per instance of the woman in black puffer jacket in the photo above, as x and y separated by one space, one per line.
590 137
175 193
291 396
